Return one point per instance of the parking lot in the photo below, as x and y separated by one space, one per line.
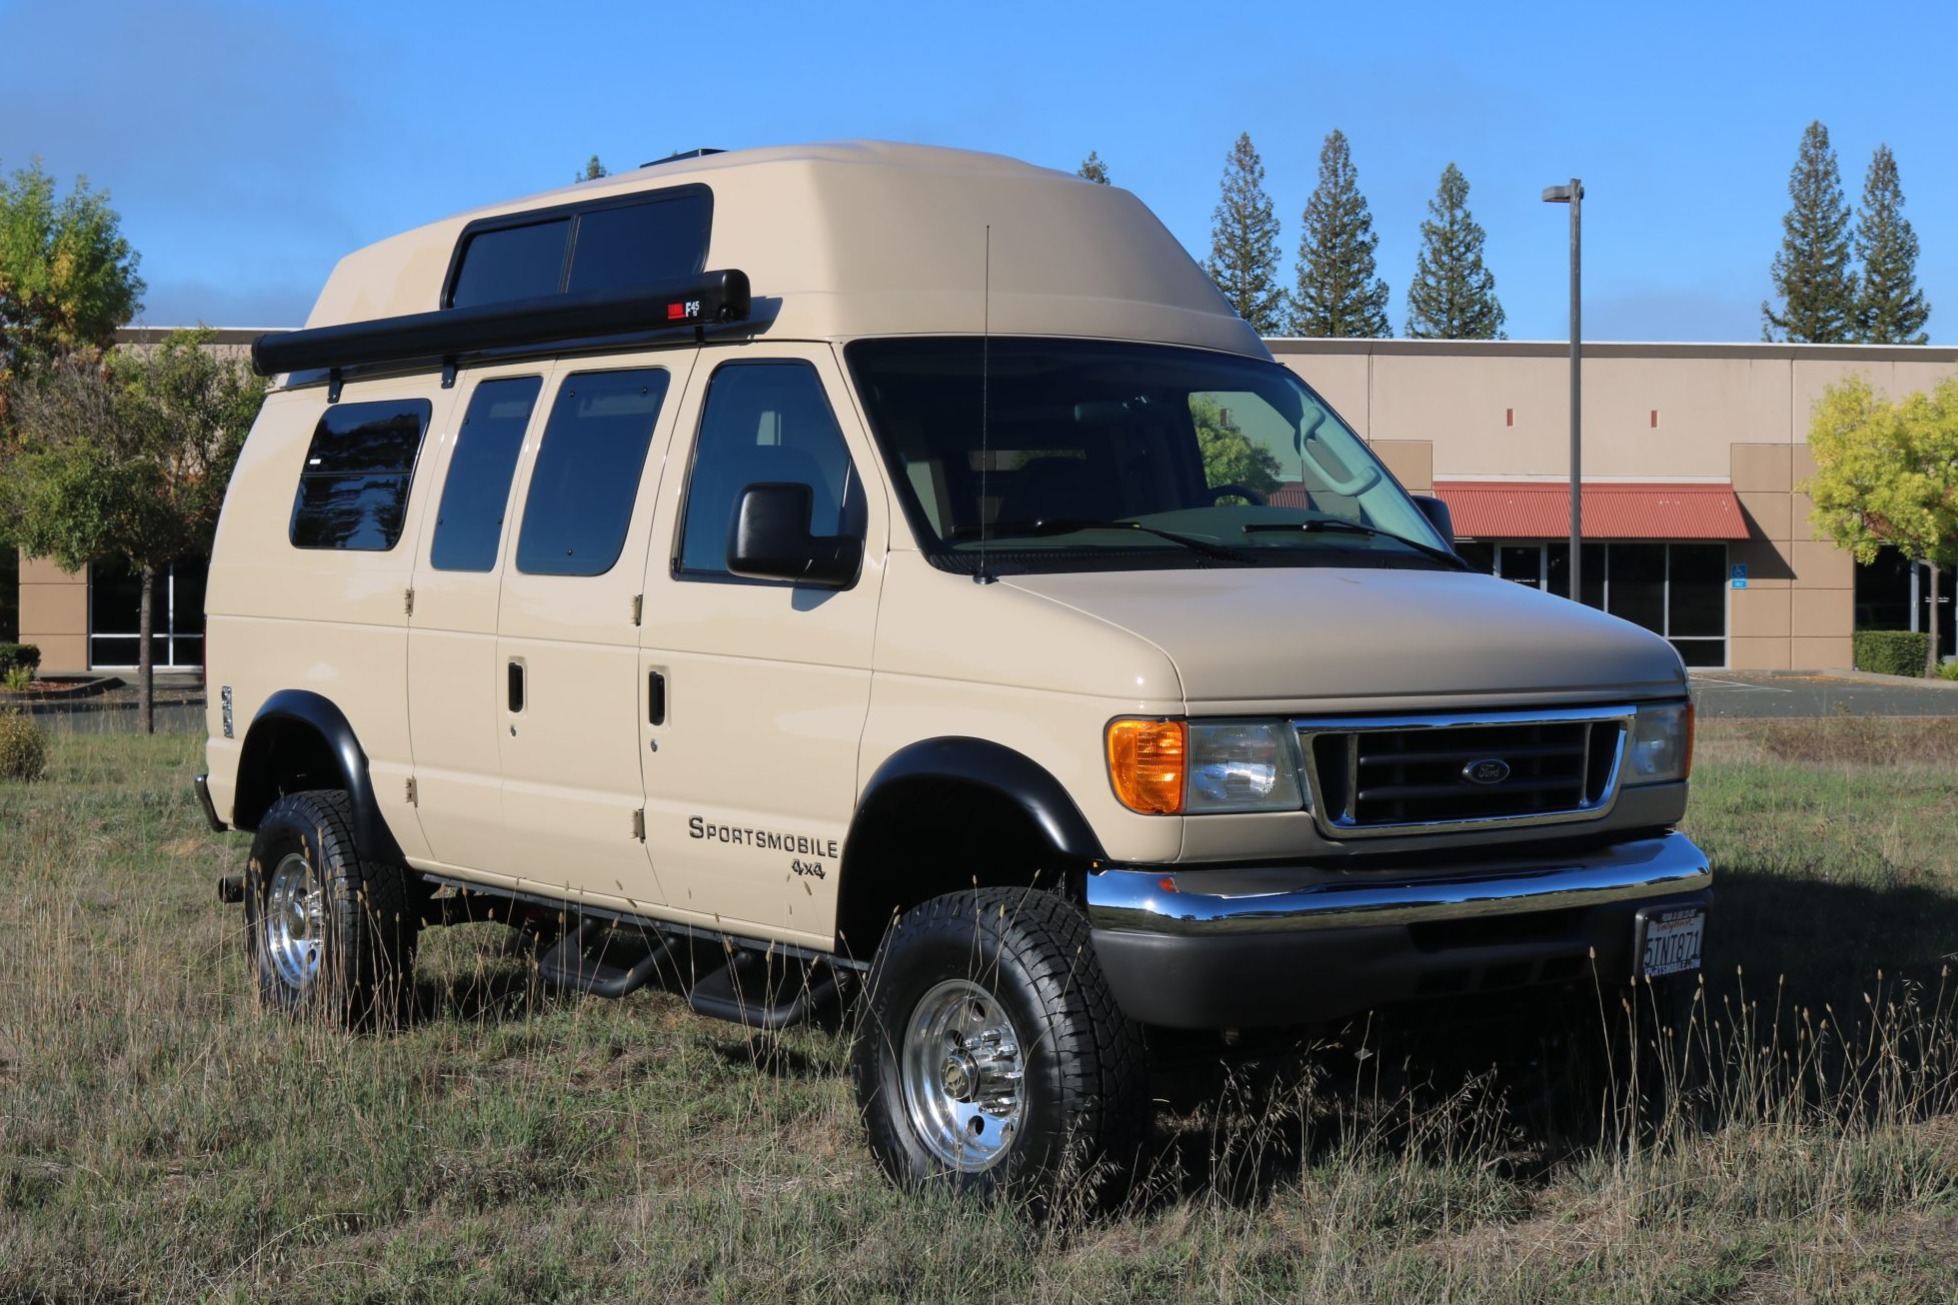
1748 695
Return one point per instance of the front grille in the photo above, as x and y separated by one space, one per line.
1512 768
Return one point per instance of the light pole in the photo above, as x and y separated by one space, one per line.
1573 195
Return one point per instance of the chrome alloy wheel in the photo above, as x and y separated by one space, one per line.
963 1076
295 921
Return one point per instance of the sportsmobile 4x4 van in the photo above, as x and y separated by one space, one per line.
894 574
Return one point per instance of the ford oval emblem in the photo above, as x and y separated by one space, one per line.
1490 770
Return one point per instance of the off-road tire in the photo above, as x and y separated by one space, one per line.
350 957
1084 1104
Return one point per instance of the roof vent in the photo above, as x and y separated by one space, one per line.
683 154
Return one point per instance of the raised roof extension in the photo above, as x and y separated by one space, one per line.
868 238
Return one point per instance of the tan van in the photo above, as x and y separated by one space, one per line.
893 576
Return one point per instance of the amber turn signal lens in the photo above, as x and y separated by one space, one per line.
1146 762
1686 765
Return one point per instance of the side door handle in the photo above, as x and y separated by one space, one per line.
516 685
655 698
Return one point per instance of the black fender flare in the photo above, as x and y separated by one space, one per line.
307 710
985 765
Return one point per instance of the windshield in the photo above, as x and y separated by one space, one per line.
1077 454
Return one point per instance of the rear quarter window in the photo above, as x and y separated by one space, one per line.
353 487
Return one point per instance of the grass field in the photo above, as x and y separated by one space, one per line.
161 1137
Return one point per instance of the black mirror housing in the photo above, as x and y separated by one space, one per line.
770 540
1438 516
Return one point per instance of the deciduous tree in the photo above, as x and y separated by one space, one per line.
126 459
1453 296
67 276
1890 309
1887 473
1244 242
1229 455
1812 273
1338 292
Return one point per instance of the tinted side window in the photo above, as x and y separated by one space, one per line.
511 263
353 490
765 422
469 523
640 244
587 472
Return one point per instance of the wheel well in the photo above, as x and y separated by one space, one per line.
926 836
282 756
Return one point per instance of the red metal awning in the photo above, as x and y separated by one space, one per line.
1509 509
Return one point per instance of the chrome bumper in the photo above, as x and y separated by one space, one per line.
1197 901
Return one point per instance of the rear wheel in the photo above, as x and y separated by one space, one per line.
991 1055
328 932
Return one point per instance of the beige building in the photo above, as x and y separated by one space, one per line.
1692 458
1693 523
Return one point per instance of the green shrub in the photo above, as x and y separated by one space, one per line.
1948 670
1892 652
17 677
18 654
23 746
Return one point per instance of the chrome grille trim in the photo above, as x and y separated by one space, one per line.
1336 797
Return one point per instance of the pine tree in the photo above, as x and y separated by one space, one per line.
1338 293
1244 242
592 170
1453 296
1812 274
1093 169
1890 309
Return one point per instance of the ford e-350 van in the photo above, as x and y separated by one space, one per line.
875 574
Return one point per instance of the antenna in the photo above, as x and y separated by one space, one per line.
984 576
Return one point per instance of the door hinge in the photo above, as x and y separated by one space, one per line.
638 606
408 602
411 792
639 824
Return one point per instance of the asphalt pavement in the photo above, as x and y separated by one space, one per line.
1753 695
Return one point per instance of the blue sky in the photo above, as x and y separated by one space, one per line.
249 144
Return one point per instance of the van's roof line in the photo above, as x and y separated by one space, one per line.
854 238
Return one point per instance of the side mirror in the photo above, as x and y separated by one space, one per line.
770 540
1438 516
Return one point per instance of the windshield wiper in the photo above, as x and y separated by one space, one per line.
1341 525
1068 525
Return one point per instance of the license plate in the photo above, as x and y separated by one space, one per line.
1668 940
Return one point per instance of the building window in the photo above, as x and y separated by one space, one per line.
1892 593
115 598
1678 591
9 595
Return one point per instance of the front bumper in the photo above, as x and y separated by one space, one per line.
1293 945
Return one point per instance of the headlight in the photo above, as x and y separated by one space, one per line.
1661 747
1173 767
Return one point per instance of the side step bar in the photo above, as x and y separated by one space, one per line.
744 992
565 965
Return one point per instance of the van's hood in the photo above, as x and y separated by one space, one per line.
1318 633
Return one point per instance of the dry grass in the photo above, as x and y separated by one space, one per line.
161 1137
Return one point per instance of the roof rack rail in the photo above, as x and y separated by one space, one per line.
701 153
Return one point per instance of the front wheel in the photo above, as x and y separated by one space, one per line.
327 931
991 1055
